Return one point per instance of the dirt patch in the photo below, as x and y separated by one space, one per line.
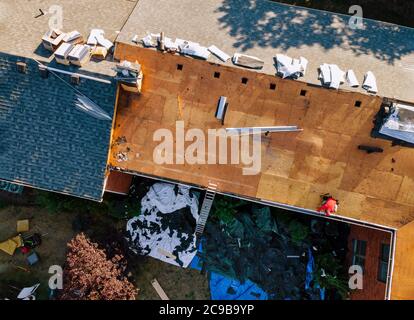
56 231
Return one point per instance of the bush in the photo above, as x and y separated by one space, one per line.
224 208
90 275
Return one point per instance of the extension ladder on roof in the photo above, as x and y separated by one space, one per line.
205 208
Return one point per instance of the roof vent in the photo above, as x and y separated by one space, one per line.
75 79
21 67
44 73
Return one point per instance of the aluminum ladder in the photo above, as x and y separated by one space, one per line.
205 208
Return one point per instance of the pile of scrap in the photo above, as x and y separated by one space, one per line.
165 229
130 76
71 47
270 256
290 68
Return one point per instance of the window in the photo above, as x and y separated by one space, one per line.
244 80
383 262
272 86
217 75
179 67
303 93
358 103
359 251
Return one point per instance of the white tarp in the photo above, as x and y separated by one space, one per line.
288 67
370 82
400 123
151 235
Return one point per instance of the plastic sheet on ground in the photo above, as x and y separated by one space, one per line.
165 228
223 288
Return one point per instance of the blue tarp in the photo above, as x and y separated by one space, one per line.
309 276
223 288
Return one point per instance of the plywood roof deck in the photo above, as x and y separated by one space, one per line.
296 167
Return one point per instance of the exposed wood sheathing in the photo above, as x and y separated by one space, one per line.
296 167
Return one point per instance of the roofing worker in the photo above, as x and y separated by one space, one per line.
329 204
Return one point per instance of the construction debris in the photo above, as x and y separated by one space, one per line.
10 245
370 83
290 68
247 61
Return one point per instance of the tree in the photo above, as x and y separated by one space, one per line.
90 275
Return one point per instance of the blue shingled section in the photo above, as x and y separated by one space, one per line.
45 141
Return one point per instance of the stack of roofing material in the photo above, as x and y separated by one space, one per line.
61 54
290 68
370 83
331 75
165 229
220 54
52 39
351 79
73 37
79 55
247 61
400 123
192 49
96 38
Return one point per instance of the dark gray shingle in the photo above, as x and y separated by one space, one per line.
46 142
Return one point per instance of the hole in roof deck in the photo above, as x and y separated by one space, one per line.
272 86
180 67
244 80
217 75
358 103
303 93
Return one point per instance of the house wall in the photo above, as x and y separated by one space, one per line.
372 288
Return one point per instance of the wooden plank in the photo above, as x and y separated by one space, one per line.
159 290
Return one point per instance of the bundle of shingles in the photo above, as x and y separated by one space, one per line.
332 76
290 68
185 47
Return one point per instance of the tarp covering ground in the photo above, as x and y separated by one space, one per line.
165 228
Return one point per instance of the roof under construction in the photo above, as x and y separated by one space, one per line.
264 28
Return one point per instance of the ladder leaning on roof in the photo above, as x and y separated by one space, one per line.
205 208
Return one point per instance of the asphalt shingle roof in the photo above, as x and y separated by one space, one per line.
46 142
